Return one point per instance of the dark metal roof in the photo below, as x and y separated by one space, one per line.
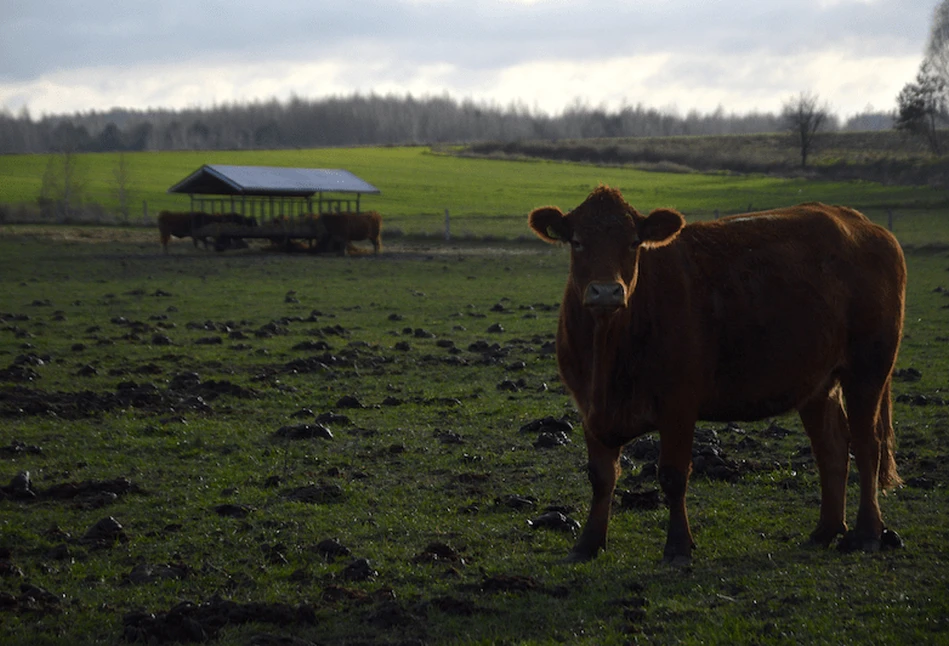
220 179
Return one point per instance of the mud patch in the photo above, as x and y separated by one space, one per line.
87 493
184 393
189 622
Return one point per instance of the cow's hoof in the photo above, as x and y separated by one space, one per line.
678 561
821 538
579 556
677 558
852 542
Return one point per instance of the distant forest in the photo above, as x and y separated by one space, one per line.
367 120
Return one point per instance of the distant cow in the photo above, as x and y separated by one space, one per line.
742 318
177 224
184 224
344 228
222 240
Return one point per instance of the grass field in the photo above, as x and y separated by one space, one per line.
484 197
191 375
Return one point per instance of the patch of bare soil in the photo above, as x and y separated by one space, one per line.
190 622
186 392
89 234
89 493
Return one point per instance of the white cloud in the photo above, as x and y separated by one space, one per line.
740 54
685 81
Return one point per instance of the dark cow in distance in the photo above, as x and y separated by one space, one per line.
185 224
174 223
342 229
663 324
225 238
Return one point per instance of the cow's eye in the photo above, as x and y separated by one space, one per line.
576 245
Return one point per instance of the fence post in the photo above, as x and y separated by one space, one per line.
145 212
889 219
447 226
716 214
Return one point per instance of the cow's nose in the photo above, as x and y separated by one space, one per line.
605 295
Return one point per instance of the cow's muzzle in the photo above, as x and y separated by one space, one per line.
605 296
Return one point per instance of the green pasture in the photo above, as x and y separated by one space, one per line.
446 348
483 197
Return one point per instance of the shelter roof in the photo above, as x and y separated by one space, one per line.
221 179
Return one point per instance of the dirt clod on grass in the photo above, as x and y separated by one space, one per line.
303 432
556 521
189 622
89 494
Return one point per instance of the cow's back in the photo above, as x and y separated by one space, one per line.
776 301
743 317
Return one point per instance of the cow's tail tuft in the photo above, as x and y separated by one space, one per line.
353 250
888 477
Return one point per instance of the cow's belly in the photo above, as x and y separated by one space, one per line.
749 410
752 396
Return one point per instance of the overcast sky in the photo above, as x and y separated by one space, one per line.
63 56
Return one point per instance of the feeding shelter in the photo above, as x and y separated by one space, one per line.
271 192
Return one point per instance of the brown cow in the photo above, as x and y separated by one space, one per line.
177 224
742 318
222 241
345 228
184 224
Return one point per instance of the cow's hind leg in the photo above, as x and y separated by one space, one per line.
871 438
603 470
826 425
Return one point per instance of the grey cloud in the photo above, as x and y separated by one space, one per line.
40 37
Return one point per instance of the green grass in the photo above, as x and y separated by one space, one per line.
484 197
402 487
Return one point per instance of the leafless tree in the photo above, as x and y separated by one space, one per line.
937 49
121 188
803 116
62 187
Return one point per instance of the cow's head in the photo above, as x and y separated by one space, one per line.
605 235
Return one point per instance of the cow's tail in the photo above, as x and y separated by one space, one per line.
375 231
888 477
164 230
353 250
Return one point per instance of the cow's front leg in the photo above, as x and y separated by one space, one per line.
675 465
603 469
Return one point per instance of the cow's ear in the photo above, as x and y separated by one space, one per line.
660 227
550 225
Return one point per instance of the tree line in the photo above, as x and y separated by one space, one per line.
369 120
923 104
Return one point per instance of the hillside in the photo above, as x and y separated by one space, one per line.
886 156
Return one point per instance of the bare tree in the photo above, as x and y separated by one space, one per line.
121 188
937 49
62 187
803 117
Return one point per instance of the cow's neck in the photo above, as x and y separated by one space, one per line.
620 385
